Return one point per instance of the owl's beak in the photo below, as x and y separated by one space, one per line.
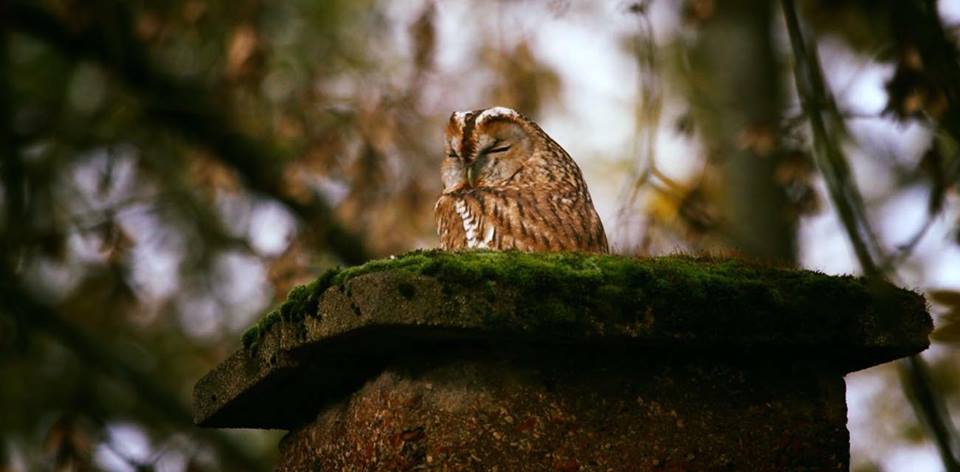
471 175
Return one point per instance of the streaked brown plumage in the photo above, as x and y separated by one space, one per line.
507 185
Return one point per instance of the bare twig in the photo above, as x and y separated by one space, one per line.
915 377
648 106
827 153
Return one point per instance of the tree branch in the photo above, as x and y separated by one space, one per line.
27 311
40 317
206 123
737 104
814 96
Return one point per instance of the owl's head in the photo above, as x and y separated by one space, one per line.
485 148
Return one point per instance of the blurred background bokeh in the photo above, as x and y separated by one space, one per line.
171 169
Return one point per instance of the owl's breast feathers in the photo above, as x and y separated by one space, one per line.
508 218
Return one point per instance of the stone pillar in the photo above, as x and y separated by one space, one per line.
506 361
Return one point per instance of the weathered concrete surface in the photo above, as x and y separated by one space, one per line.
600 362
567 412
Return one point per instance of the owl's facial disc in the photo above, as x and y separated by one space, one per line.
484 148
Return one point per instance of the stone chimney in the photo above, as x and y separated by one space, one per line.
511 361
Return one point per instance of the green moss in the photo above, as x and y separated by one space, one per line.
251 336
570 286
301 301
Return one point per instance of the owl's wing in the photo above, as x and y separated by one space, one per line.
543 222
583 230
449 224
597 241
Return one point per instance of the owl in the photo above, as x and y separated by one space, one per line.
507 185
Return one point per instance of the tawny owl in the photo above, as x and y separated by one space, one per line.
507 185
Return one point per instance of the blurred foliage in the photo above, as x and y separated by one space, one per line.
173 169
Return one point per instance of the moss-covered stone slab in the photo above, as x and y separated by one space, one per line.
336 333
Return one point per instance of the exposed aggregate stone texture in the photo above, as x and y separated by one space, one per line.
510 413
